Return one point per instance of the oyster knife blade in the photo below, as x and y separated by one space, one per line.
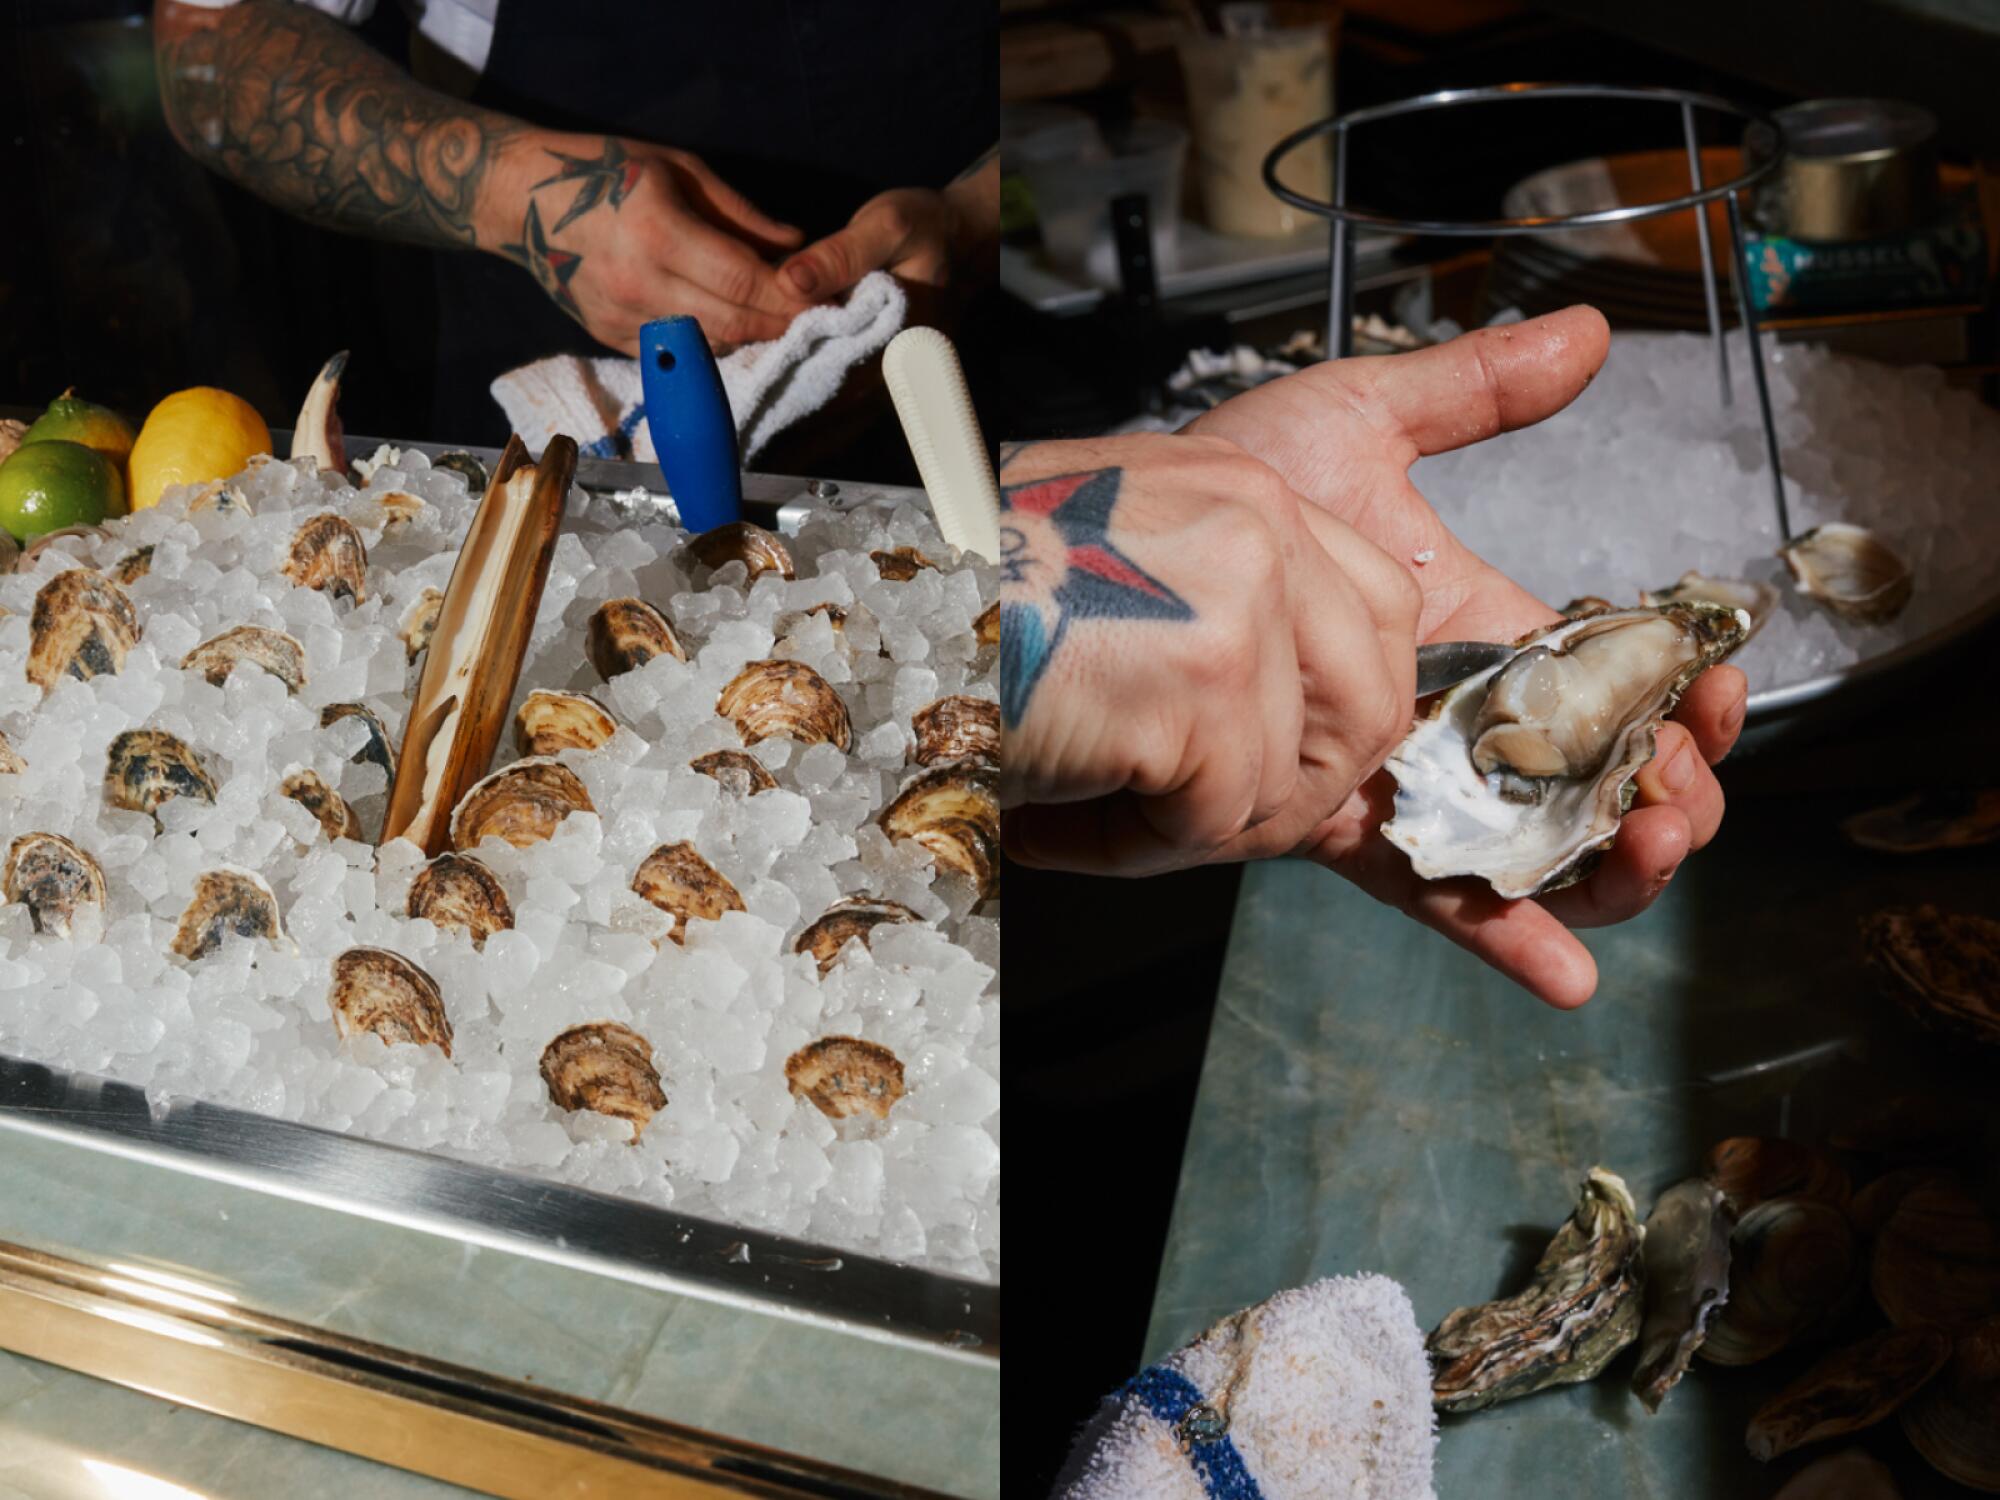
1444 664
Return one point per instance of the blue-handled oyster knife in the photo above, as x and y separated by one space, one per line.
694 432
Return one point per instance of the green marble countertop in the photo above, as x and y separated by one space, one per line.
930 1420
1375 1100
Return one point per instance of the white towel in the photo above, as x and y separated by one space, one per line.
1321 1392
770 386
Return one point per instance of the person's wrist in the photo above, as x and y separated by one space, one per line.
526 157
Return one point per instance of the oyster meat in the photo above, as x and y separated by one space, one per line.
382 992
549 721
1521 774
676 879
849 917
769 698
82 626
146 766
1581 1308
457 893
605 1067
227 900
628 633
327 554
1850 1389
521 803
313 794
957 728
758 550
1851 571
738 770
843 1076
1686 1262
277 653
52 877
1792 1265
1941 968
953 811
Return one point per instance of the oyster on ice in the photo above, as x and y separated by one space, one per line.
676 879
227 900
277 653
737 770
1567 1324
627 633
1755 599
52 877
759 551
849 917
521 803
787 698
550 721
457 893
957 728
144 767
1521 774
327 554
1851 571
82 626
841 1076
310 791
375 751
377 990
605 1067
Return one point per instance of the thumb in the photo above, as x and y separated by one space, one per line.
832 265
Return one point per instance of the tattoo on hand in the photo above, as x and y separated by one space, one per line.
285 102
611 176
552 268
1058 565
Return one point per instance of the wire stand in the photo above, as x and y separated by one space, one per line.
1340 270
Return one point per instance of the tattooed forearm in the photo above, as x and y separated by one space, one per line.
286 103
1058 565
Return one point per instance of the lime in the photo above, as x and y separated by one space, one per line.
49 485
70 419
191 437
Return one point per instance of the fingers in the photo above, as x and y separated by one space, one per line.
726 324
1652 842
832 265
1679 778
729 270
1713 711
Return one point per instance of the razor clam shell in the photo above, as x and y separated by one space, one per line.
1941 968
1686 1282
380 991
52 877
457 893
1578 1311
607 1068
82 626
844 1076
1850 1389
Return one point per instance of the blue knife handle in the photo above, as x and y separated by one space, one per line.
694 434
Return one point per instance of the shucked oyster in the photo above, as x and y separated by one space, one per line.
1581 1308
1851 571
1687 1282
1521 774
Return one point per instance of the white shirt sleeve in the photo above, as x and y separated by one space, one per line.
350 11
463 28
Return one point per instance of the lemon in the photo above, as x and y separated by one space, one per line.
192 437
77 421
48 485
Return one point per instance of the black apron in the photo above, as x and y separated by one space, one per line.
808 107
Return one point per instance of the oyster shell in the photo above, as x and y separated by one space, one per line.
758 550
227 900
1937 1258
547 722
1930 820
420 623
1792 1264
953 811
146 766
221 498
52 877
1752 1169
376 751
11 763
739 771
1520 775
1955 1421
1850 1389
676 879
1686 1258
849 917
377 990
323 802
628 633
468 468
133 566
327 554
957 728
1755 599
398 508
1941 968
277 653
81 627
844 1076
11 433
457 893
46 542
1850 570
1584 605
1580 1309
604 1067
521 803
786 698
986 629
900 564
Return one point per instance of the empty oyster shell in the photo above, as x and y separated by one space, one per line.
986 629
1792 1264
457 893
521 803
758 550
227 900
376 751
133 566
738 770
1850 1474
1580 1309
1937 1258
52 877
1521 774
81 627
383 992
1955 1421
628 633
843 1076
547 722
323 802
222 498
420 623
1752 1169
1850 570
849 917
11 763
957 728
1939 967
1850 1389
463 464
1930 820
46 542
953 811
1756 600
1686 1282
901 564
277 653
327 554
605 1067
675 878
146 766
788 698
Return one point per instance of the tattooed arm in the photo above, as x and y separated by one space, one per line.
283 101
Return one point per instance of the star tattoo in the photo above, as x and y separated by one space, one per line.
1058 564
549 266
612 175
